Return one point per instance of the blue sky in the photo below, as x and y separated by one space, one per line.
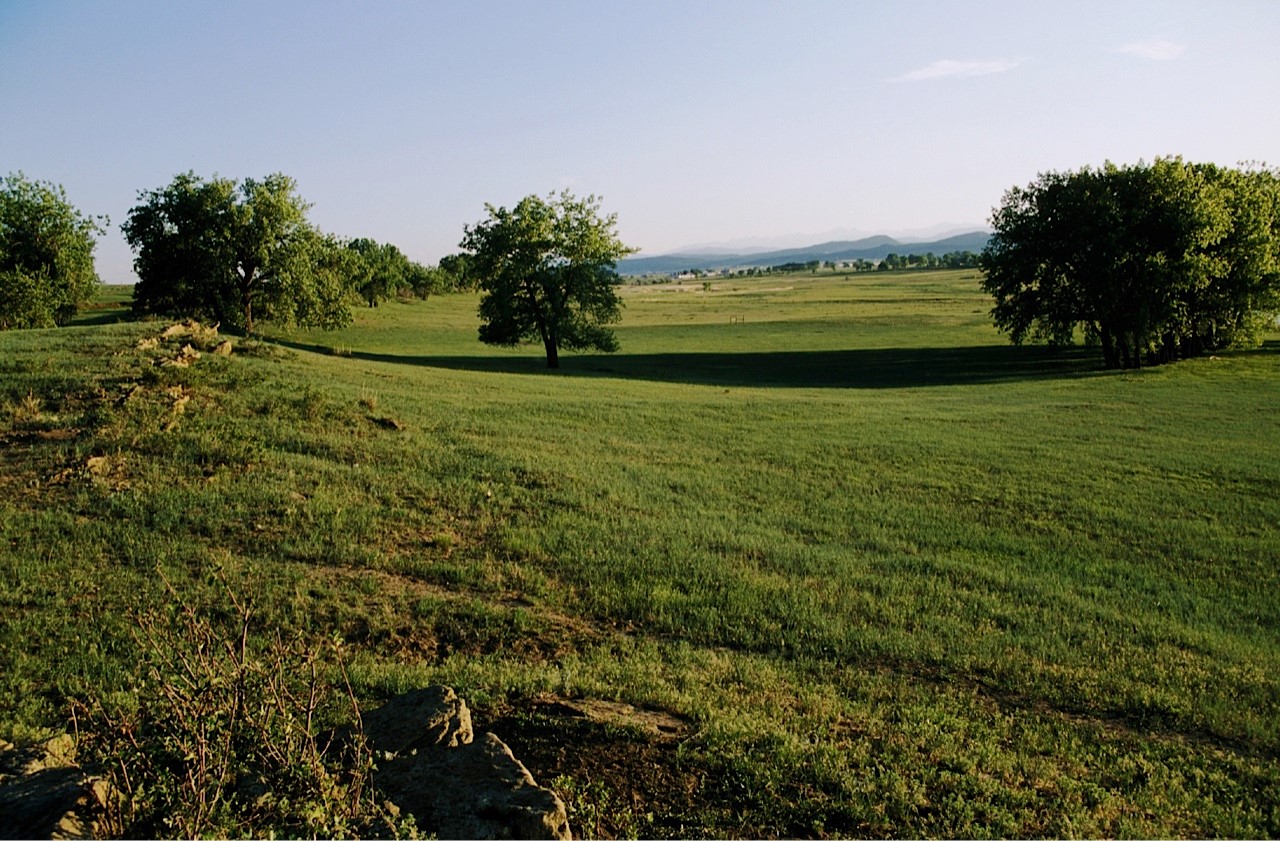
698 122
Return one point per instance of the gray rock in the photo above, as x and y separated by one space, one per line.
431 766
44 795
430 717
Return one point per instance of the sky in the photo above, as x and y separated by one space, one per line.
698 122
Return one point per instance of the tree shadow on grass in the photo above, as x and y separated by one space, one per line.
871 368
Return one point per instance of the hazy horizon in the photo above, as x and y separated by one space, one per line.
700 125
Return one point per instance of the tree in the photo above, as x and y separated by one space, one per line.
1153 262
46 254
546 271
424 280
456 269
232 252
381 270
1245 294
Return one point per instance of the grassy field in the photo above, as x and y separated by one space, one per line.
892 576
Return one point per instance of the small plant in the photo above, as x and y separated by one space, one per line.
28 409
368 400
310 403
595 810
223 741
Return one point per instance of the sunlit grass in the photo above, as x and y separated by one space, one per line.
905 579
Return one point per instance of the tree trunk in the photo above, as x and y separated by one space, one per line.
246 299
553 353
1109 356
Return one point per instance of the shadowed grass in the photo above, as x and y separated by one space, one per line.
863 368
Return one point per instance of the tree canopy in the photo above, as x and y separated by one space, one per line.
455 273
46 254
546 272
382 270
235 252
1154 262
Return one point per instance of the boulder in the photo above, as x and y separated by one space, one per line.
43 794
431 765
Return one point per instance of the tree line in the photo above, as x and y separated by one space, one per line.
1150 262
891 261
46 254
233 252
929 260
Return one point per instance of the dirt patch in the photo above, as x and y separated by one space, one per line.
657 725
621 779
624 781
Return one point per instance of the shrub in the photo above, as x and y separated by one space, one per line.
221 740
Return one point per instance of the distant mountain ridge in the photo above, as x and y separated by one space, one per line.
868 248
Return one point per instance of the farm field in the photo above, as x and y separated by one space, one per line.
887 575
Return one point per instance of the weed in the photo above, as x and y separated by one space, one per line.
221 740
28 409
310 402
596 811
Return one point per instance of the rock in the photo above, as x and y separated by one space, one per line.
185 357
431 766
44 795
658 725
430 717
200 334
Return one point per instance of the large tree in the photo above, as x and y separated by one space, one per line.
1153 262
546 271
234 252
46 254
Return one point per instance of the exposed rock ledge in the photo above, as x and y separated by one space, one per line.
44 795
429 764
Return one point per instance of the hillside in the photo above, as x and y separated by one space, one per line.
870 248
839 559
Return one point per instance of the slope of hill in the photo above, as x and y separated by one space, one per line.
870 248
876 570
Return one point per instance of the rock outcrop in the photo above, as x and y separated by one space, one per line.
431 765
43 794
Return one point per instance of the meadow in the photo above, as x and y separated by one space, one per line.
891 575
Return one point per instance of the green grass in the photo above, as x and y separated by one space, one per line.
902 578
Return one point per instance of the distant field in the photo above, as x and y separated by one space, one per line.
898 577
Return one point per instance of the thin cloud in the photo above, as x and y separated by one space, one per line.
950 69
1153 50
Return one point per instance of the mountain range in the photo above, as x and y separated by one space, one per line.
867 248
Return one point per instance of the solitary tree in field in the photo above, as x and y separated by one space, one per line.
546 270
234 252
1154 262
46 254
